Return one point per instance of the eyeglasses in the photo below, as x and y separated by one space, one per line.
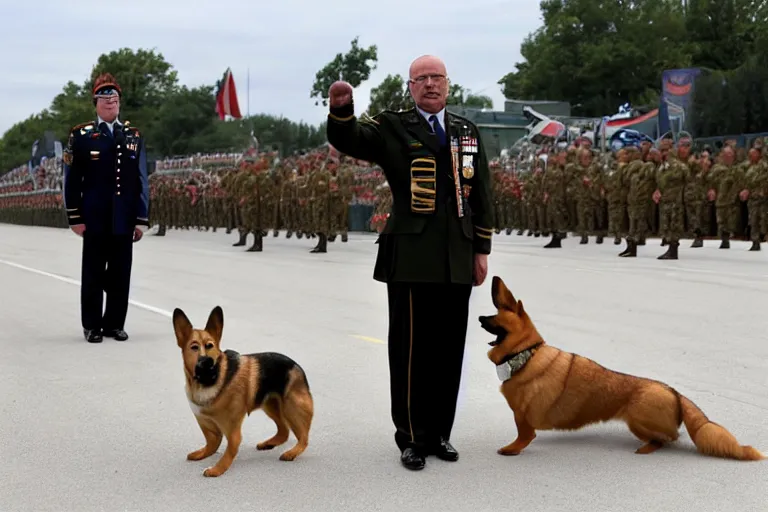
423 78
106 93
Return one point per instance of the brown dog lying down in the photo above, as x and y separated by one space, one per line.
223 387
549 389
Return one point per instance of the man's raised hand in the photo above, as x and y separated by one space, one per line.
340 94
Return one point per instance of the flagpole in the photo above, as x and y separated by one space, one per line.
248 95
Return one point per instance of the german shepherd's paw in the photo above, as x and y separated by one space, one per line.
212 472
266 445
510 449
198 455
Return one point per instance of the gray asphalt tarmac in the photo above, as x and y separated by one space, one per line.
107 427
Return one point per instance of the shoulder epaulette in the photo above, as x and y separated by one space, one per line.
88 126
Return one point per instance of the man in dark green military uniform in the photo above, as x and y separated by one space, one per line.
432 250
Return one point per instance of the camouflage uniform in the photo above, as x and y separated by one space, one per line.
728 181
555 188
616 193
671 178
641 177
757 183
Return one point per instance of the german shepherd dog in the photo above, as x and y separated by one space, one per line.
223 387
549 389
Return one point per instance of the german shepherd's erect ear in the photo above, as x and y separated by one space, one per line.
501 296
215 325
182 327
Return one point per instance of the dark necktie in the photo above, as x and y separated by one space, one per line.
438 129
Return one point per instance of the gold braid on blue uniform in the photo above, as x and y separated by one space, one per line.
73 175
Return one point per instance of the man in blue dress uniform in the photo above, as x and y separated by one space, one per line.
106 194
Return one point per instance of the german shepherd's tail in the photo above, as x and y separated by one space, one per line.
712 439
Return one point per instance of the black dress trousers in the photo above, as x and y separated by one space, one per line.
106 267
427 332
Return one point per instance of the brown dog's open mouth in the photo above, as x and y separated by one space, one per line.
488 324
497 341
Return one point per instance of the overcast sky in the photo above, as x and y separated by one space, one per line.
284 43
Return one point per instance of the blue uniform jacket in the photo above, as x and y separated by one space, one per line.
105 179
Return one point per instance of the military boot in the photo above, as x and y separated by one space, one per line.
258 243
519 231
641 241
243 236
345 237
755 245
555 243
599 239
671 253
275 233
289 234
508 231
617 241
697 240
584 240
299 235
725 240
663 242
631 250
160 230
322 244
332 238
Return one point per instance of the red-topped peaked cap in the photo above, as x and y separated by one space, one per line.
106 85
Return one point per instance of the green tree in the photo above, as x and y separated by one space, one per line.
391 94
599 55
175 119
460 96
355 67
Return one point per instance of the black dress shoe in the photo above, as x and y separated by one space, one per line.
412 459
92 335
445 451
118 334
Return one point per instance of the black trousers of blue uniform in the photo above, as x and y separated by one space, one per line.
106 267
427 333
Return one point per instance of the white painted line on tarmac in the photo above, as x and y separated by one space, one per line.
75 282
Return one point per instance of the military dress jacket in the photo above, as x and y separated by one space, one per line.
442 209
106 186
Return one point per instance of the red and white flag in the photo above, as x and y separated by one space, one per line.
226 98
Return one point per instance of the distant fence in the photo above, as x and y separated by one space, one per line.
743 140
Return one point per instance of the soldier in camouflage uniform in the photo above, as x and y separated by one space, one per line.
671 179
589 195
320 205
695 195
555 189
240 197
346 180
728 182
757 183
288 202
616 194
537 210
642 183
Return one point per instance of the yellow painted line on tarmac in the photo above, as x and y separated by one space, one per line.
368 339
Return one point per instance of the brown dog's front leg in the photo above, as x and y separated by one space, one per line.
212 441
234 437
525 434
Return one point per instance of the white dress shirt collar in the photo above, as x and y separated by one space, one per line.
440 117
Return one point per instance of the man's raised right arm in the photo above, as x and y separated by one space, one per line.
361 140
